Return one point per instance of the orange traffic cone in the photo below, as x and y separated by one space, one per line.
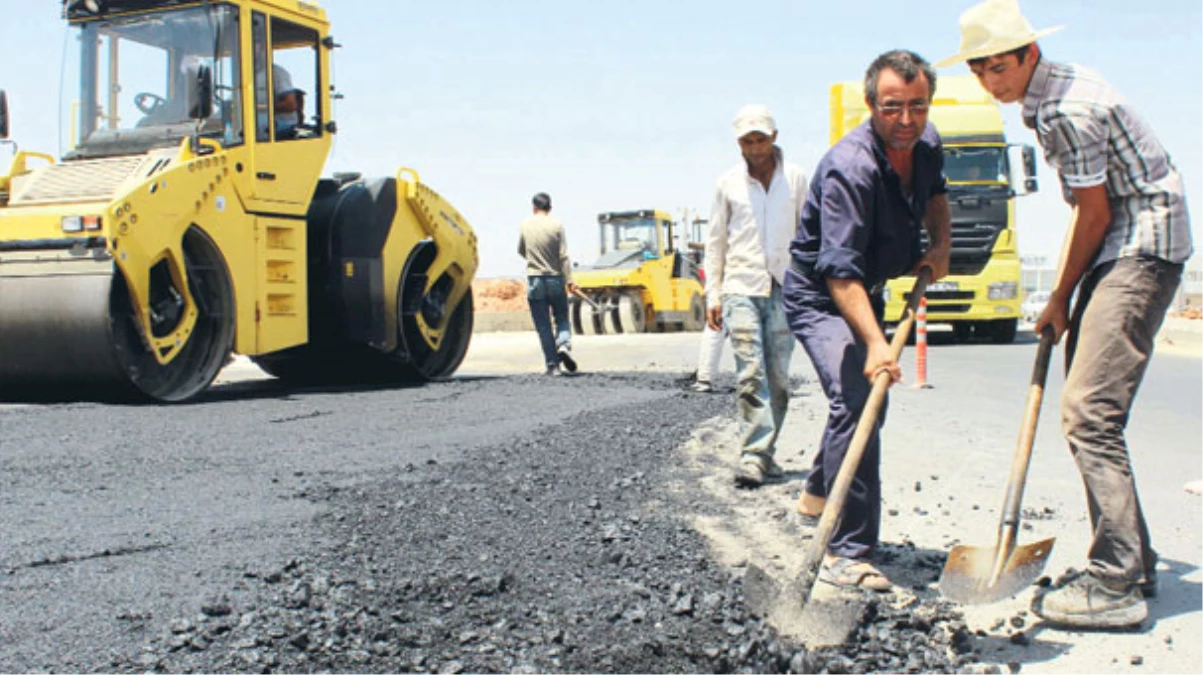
921 347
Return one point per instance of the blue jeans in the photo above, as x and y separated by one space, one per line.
762 344
544 294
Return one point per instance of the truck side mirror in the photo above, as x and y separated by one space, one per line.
1030 184
3 114
199 90
1029 161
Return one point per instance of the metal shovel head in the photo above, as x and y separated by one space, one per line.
967 574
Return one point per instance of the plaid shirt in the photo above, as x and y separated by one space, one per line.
1091 136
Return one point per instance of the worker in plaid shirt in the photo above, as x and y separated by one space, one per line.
1128 238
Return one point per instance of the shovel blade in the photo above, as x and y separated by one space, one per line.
967 574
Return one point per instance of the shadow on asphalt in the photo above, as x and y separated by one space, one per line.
273 388
1177 595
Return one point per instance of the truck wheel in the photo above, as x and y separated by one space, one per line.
961 332
1002 331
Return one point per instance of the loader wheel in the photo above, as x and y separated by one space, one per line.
697 314
625 312
574 311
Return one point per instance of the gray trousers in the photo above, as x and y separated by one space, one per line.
1119 309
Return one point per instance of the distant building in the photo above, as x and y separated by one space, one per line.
1190 294
1039 275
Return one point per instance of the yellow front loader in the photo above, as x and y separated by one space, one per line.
190 220
641 282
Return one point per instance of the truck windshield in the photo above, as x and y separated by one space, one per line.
630 234
135 74
975 164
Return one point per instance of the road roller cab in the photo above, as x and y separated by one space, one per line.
189 219
641 282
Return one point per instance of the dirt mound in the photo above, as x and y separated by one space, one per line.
499 295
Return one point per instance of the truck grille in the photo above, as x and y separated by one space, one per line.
92 180
972 243
936 296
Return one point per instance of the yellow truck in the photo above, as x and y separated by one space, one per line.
982 294
641 282
189 220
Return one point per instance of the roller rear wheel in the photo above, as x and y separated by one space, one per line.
433 364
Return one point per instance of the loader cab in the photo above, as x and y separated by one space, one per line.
632 237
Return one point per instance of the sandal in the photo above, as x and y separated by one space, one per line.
853 573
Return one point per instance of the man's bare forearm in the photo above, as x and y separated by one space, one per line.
1087 229
853 301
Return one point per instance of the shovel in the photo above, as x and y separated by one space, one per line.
800 589
978 575
588 300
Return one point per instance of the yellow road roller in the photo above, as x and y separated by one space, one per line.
189 220
641 282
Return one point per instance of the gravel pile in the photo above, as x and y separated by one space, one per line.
561 553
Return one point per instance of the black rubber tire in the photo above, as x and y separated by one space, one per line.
696 320
1002 331
441 363
962 331
208 347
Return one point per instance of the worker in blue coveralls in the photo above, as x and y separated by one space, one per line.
871 194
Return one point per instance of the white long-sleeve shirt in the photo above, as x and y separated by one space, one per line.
751 229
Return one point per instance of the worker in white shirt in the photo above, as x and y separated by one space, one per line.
755 214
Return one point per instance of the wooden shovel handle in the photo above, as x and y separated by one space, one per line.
860 438
1027 432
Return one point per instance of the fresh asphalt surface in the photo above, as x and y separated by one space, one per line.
143 537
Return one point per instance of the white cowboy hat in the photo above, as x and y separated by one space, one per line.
993 27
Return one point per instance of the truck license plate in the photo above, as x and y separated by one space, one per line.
943 287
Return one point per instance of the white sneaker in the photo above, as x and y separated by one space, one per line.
702 387
566 359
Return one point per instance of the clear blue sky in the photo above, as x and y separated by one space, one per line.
613 106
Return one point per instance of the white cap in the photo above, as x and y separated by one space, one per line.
993 27
752 118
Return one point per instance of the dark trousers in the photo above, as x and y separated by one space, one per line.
839 360
548 294
1119 310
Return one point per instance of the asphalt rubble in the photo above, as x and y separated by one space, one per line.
555 553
